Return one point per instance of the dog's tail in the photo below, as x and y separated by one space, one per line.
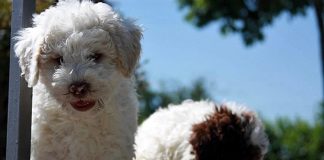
230 132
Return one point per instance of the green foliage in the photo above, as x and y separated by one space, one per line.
150 100
247 17
295 140
320 115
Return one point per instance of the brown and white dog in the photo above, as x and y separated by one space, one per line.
202 131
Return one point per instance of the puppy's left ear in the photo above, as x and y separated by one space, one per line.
27 49
128 47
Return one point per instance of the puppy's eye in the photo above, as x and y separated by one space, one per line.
59 60
95 57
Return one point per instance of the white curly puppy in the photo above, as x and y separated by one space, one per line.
79 57
202 131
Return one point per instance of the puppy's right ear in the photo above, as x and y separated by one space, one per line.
126 36
27 49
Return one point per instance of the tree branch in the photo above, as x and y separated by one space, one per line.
318 6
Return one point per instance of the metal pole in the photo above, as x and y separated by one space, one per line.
19 101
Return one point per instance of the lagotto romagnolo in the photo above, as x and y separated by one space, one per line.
202 131
79 57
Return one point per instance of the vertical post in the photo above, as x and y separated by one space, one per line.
19 102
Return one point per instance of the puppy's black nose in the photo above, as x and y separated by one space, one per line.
79 89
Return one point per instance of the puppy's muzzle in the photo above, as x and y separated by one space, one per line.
79 89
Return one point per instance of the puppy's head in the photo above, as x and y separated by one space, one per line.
81 52
231 132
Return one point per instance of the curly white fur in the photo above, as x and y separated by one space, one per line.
72 32
165 134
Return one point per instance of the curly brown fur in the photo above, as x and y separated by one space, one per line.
223 136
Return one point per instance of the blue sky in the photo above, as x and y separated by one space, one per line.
278 77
